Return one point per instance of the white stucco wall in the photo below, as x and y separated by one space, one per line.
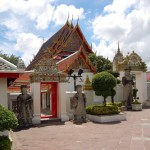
70 86
3 92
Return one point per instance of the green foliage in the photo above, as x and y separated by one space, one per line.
103 81
114 73
135 90
8 119
5 143
136 102
113 92
102 110
101 63
118 104
11 58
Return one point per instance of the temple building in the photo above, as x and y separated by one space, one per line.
61 63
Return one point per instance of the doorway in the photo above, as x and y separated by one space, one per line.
48 99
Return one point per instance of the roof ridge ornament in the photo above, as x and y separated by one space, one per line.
77 20
72 19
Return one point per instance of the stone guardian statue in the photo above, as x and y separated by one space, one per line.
127 82
79 104
24 107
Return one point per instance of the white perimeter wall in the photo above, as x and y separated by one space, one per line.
70 86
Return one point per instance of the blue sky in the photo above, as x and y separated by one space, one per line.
26 23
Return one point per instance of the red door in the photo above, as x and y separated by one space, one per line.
49 99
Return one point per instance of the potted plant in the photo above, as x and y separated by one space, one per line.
136 105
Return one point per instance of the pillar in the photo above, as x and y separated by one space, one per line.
3 92
141 85
36 95
62 101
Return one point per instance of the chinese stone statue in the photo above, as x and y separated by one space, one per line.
24 107
127 82
79 104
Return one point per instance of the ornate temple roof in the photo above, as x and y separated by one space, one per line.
78 60
67 48
67 40
134 61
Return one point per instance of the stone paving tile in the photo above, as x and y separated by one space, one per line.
133 134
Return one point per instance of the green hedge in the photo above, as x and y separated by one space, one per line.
8 119
102 110
5 143
119 104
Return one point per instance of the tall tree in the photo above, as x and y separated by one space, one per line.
101 63
11 58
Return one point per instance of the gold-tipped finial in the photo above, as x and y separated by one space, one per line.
78 20
68 17
72 19
118 47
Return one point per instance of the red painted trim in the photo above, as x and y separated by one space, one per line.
54 99
9 75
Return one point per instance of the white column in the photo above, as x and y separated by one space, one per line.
141 85
36 95
62 87
3 92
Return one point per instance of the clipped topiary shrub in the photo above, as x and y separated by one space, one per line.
102 110
8 119
103 83
5 143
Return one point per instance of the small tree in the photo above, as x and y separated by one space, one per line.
8 119
102 84
116 75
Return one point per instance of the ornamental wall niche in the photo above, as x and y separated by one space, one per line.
134 61
46 70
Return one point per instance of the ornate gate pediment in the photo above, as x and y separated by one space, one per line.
46 70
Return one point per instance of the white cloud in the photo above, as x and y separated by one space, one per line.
12 23
44 19
127 21
119 6
62 11
28 44
37 10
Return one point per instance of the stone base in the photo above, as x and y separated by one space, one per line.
36 119
70 115
4 133
136 106
147 103
64 117
107 118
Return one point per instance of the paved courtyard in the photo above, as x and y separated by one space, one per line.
133 134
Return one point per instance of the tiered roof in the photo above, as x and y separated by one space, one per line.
62 44
66 47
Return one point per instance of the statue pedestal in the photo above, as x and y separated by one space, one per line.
36 119
64 117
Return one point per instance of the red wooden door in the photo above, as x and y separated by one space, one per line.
50 99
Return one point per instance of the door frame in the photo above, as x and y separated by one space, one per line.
54 98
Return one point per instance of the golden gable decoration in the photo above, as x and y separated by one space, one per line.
134 61
46 70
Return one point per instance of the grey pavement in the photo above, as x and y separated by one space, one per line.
133 134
